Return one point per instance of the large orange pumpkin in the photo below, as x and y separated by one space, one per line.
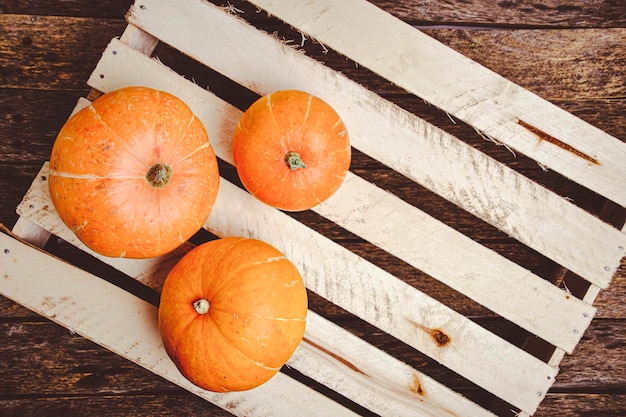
133 174
291 150
232 312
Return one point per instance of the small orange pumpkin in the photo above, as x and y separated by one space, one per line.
291 150
133 174
232 312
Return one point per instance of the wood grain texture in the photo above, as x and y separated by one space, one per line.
39 52
364 290
474 182
544 13
572 73
127 326
498 108
105 9
557 56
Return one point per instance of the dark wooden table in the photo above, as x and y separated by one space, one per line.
570 52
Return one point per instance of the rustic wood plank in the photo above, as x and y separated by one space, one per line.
126 325
609 405
551 13
547 13
105 78
40 52
492 104
479 345
583 404
605 336
167 405
161 404
453 170
557 55
60 363
103 9
31 121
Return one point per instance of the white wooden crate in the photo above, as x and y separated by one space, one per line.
491 191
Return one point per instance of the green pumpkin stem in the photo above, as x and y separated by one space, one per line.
294 160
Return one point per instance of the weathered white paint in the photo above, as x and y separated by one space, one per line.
364 289
467 177
127 325
386 389
461 87
493 192
385 220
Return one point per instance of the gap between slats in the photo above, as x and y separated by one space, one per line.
491 191
463 88
384 373
522 372
220 123
105 77
126 325
423 235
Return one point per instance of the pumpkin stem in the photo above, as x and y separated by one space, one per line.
159 175
201 306
294 160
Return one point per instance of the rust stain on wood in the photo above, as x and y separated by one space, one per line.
440 338
417 386
335 356
549 138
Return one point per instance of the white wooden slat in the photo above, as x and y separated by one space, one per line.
139 40
220 118
461 87
364 289
385 220
466 266
376 380
497 194
387 388
127 325
388 303
519 381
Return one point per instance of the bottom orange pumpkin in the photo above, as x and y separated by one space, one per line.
232 312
